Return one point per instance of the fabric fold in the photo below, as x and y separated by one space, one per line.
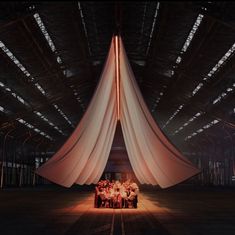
84 155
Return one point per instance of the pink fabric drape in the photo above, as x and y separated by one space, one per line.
153 158
83 157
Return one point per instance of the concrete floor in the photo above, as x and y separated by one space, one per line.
176 211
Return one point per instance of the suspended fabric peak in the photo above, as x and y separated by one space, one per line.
83 157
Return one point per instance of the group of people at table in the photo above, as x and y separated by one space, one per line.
114 194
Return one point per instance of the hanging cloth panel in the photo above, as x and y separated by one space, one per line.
84 155
153 158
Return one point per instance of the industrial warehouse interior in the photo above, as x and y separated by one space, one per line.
168 126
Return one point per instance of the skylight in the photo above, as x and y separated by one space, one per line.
2 109
159 98
188 41
22 121
25 71
46 35
75 92
220 63
174 114
188 122
63 115
210 124
52 46
152 29
84 26
178 60
199 86
20 66
155 104
19 98
224 94
14 59
50 123
40 88
190 37
192 32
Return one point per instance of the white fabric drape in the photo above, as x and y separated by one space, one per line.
83 157
153 158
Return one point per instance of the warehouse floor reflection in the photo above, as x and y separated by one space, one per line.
57 211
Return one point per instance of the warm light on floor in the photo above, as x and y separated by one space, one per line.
87 205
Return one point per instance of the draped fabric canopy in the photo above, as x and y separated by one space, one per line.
83 157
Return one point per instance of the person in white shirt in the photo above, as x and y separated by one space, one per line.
134 186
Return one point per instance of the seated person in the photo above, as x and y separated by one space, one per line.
135 187
102 195
117 198
116 194
97 201
124 192
131 199
108 195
